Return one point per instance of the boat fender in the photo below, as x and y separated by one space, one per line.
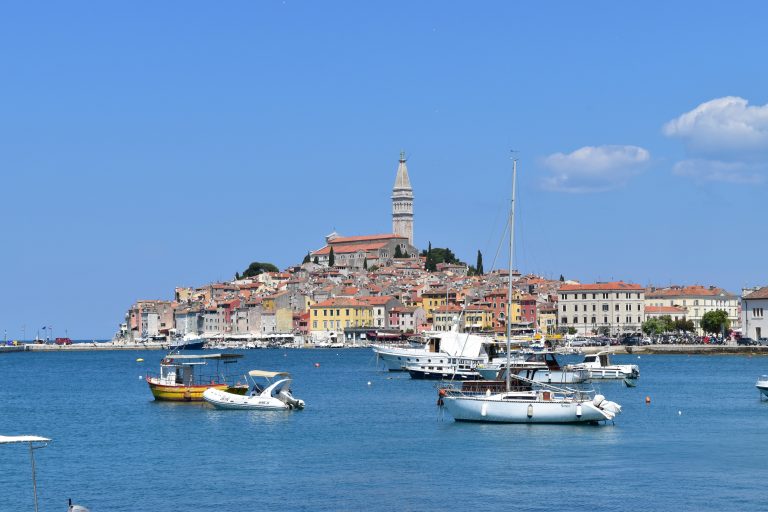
598 400
578 410
530 410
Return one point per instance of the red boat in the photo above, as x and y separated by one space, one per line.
63 341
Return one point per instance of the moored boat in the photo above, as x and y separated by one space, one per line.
600 367
437 349
184 378
275 394
538 367
762 384
522 403
456 368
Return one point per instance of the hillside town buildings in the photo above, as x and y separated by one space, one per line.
357 286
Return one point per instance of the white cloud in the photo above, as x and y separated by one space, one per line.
716 170
594 168
724 127
726 140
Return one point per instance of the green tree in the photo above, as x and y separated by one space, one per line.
365 263
307 258
666 323
331 258
237 276
257 268
572 330
316 261
428 263
715 321
398 252
479 265
651 326
684 325
604 331
562 278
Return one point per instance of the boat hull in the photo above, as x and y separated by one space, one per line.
166 393
421 374
396 360
494 409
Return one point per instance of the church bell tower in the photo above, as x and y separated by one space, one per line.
402 202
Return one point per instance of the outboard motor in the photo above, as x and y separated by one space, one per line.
286 397
76 508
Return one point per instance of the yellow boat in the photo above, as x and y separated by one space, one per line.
183 378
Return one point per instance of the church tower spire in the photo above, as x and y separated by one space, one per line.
402 202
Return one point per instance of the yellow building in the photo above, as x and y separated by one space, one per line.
433 299
338 314
478 318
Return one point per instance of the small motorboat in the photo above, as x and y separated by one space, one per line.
600 367
273 394
762 384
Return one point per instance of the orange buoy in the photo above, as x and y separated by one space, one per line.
647 399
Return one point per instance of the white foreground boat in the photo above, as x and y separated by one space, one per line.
524 404
600 367
546 405
762 384
275 395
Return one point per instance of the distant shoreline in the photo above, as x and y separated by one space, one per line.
620 349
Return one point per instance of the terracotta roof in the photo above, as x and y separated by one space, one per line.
365 238
340 302
762 293
376 300
686 291
649 310
349 249
613 286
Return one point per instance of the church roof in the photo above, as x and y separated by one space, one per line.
402 180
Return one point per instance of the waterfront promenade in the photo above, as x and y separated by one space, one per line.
702 349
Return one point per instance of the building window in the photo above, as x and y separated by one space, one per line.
757 312
564 320
605 307
616 307
594 307
314 324
575 319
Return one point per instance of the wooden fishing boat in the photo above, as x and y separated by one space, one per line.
184 378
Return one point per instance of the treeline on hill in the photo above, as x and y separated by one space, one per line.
437 255
255 269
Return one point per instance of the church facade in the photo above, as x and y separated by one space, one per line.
379 250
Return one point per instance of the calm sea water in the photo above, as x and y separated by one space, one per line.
700 444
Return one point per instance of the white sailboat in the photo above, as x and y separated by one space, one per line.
524 403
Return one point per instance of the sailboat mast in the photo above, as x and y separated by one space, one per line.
511 258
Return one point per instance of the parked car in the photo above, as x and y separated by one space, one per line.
746 341
762 341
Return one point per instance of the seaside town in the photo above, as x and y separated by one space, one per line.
357 289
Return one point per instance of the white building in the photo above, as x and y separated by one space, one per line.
696 300
617 307
754 307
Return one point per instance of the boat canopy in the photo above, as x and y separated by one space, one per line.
23 439
204 356
266 374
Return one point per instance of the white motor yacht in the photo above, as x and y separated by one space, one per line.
538 367
439 348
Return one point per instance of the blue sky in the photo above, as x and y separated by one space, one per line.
145 145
